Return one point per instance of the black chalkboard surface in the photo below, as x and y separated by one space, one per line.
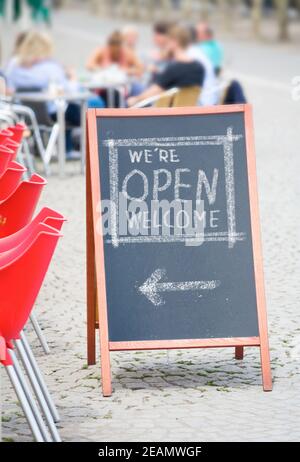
206 149
177 246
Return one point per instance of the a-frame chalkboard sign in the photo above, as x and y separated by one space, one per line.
174 254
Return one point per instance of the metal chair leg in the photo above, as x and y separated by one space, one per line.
38 391
24 403
27 158
40 378
39 333
29 397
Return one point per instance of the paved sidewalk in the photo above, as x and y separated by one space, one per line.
196 395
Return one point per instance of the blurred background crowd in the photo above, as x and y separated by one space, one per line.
180 63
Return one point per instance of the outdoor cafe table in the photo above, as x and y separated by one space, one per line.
61 101
111 80
110 88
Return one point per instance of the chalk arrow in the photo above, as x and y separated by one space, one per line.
152 288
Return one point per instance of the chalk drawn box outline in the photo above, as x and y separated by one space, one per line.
231 235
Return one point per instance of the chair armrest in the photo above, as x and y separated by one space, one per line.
152 99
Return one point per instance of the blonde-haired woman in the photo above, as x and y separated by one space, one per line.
35 69
35 66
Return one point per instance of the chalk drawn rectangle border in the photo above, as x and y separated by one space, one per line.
231 236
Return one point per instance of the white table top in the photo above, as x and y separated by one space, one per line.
107 78
41 96
102 85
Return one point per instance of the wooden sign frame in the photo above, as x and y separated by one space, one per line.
96 285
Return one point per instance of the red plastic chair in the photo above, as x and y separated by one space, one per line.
13 145
46 215
17 209
52 218
6 156
17 132
10 179
4 134
22 271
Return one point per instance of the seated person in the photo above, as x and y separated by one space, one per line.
130 37
160 55
210 93
14 56
210 46
183 71
115 52
34 67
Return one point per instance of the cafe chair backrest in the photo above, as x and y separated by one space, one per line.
17 210
10 179
40 108
4 134
185 97
164 101
17 131
46 215
6 156
13 145
22 271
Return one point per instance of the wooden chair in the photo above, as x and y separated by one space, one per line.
174 97
187 96
151 100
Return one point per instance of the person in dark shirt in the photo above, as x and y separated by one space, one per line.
182 72
160 55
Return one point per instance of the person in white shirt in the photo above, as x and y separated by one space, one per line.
209 94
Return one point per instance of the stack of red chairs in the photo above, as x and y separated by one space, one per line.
26 249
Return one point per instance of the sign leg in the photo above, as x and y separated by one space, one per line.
103 331
257 254
105 367
239 352
90 271
266 367
91 318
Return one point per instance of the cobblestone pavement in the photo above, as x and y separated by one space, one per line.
190 395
